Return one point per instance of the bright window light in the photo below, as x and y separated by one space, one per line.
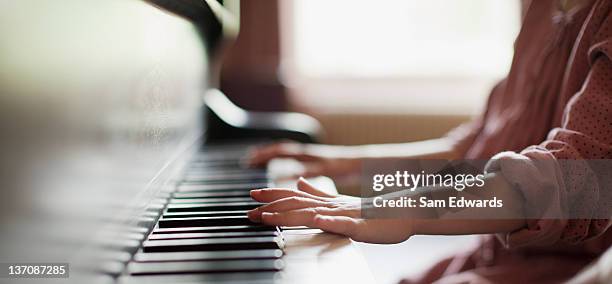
403 38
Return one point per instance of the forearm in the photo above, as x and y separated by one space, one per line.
350 159
441 148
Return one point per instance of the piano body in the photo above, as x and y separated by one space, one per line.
120 158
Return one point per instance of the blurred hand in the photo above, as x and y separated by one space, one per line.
327 160
311 207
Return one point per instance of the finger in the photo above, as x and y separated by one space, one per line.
260 156
299 217
307 187
309 170
263 155
338 211
324 167
285 204
292 203
272 194
341 225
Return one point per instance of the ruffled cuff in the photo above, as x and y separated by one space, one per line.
536 174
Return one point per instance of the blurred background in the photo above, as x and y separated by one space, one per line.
375 72
87 85
372 71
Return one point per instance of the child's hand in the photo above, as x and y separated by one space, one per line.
314 208
327 160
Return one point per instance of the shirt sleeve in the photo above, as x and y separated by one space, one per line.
463 136
556 178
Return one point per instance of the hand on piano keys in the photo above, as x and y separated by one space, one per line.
339 214
205 235
317 160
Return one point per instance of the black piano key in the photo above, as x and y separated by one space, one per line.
213 207
250 228
212 155
225 194
212 244
216 165
219 156
207 175
224 177
219 278
208 255
213 171
224 181
208 200
205 221
216 266
192 188
204 214
211 235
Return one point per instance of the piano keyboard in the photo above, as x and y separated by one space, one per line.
203 234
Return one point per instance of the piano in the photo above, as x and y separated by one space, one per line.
123 159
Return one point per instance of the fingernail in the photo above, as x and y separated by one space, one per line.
266 215
255 191
253 215
303 180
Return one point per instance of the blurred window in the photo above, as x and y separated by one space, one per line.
440 41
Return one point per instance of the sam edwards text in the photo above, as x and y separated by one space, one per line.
424 202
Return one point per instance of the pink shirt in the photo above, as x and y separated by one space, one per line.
555 104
